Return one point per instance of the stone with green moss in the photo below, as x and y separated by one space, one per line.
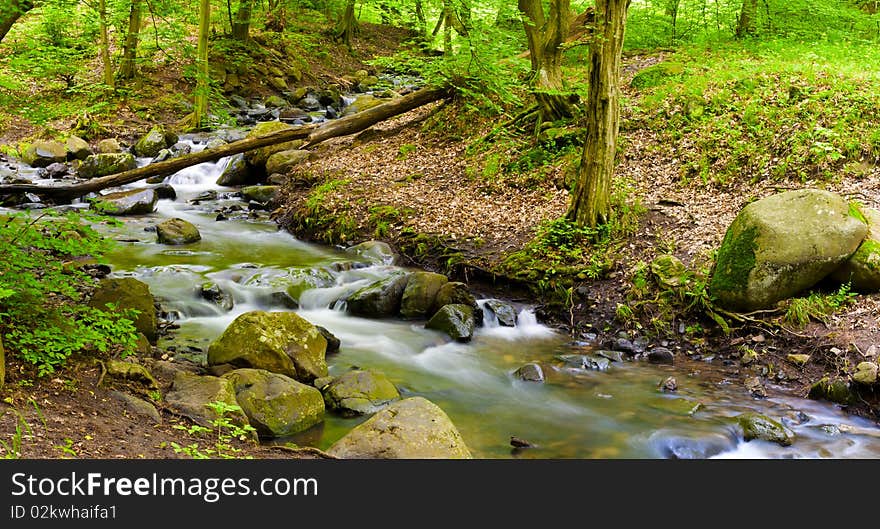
456 292
131 371
361 103
149 145
798 359
237 172
834 390
668 271
419 294
77 148
761 427
866 373
259 157
780 245
128 293
177 231
103 164
862 269
261 194
42 153
413 428
280 342
282 162
359 392
380 299
276 405
191 395
454 319
132 202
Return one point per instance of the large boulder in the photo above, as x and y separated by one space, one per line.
359 392
108 146
456 292
413 428
756 426
504 312
132 202
276 405
190 396
380 299
419 294
258 157
236 173
104 164
834 390
280 342
77 148
177 231
128 293
862 269
43 153
151 143
261 194
454 319
282 162
781 245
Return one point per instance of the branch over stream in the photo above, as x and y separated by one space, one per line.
312 134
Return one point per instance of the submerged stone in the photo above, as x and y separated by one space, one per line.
756 426
531 372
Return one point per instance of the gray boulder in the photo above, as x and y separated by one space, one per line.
236 172
359 392
177 231
108 146
280 342
503 311
42 153
380 299
454 319
413 428
276 405
531 372
133 202
862 269
780 245
261 194
419 294
151 143
190 396
103 164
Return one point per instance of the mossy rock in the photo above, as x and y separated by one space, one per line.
359 392
276 405
361 103
419 294
108 146
149 145
454 319
379 300
761 427
177 231
834 390
280 342
781 245
282 162
212 292
77 148
236 173
504 312
668 271
131 371
455 292
128 293
656 75
43 153
190 396
133 202
413 428
275 101
866 373
862 269
261 194
103 164
259 157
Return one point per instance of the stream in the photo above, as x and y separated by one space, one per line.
577 413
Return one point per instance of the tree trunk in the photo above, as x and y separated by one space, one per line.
200 113
242 25
128 67
748 20
421 21
105 43
10 12
346 28
313 134
545 36
590 203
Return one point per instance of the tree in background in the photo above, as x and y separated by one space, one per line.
591 199
545 35
199 116
347 26
241 26
10 12
128 66
747 25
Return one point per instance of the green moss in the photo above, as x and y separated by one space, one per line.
865 252
736 259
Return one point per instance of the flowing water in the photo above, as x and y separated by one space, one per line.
576 413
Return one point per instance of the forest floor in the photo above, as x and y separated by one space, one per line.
404 165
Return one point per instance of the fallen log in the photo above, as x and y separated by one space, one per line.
312 134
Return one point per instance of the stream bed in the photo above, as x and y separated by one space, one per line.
619 412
